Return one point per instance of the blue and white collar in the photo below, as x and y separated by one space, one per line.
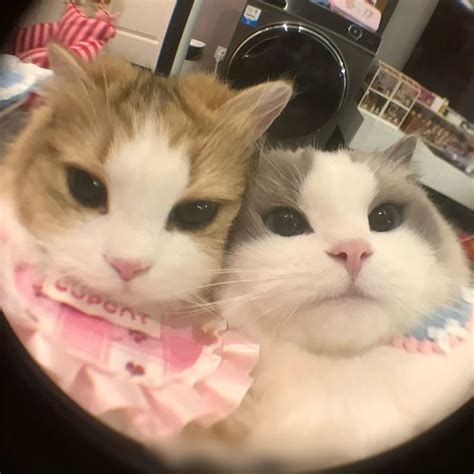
442 329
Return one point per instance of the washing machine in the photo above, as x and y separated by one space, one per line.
326 55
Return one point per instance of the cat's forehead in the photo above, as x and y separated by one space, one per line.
338 179
154 162
312 177
335 187
317 176
146 170
155 128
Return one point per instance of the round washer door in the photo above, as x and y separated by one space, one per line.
299 54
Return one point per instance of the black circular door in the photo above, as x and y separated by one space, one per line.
297 53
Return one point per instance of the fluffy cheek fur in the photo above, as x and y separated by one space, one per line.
141 194
142 190
154 143
287 285
173 278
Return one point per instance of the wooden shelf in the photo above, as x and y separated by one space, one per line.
400 83
427 107
386 97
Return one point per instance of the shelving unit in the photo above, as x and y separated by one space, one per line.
439 133
402 103
390 95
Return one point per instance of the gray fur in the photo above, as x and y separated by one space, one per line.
277 181
280 176
397 184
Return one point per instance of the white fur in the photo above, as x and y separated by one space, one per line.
288 279
329 388
145 179
319 411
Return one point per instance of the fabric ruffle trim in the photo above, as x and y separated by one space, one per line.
442 330
206 389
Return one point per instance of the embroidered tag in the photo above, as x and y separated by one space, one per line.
75 294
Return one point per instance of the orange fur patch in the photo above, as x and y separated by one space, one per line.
90 109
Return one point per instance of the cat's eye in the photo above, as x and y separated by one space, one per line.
287 222
386 217
194 215
85 188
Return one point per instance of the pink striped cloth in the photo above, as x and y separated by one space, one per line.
155 373
82 35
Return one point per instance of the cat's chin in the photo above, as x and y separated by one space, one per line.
349 301
345 325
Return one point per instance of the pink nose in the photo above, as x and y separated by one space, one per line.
352 254
128 269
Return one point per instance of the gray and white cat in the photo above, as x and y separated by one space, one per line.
333 255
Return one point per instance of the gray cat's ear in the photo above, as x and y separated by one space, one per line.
402 152
254 109
66 65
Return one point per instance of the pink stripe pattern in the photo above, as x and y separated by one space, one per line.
82 35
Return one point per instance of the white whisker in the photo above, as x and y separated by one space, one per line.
260 317
285 320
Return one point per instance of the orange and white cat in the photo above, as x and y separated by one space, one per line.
132 181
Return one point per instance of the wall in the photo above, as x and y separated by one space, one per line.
404 30
46 10
216 24
443 60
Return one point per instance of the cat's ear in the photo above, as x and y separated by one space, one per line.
254 109
402 152
66 65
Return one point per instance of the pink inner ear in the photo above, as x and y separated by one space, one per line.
258 106
264 123
272 108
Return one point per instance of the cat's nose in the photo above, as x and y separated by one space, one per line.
352 254
128 268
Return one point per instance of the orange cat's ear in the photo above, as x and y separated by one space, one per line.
254 109
66 65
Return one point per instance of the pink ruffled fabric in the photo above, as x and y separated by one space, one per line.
155 376
411 344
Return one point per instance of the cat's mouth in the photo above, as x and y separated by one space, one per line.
340 302
351 295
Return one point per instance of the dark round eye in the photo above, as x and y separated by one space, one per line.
286 222
194 215
386 217
86 188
